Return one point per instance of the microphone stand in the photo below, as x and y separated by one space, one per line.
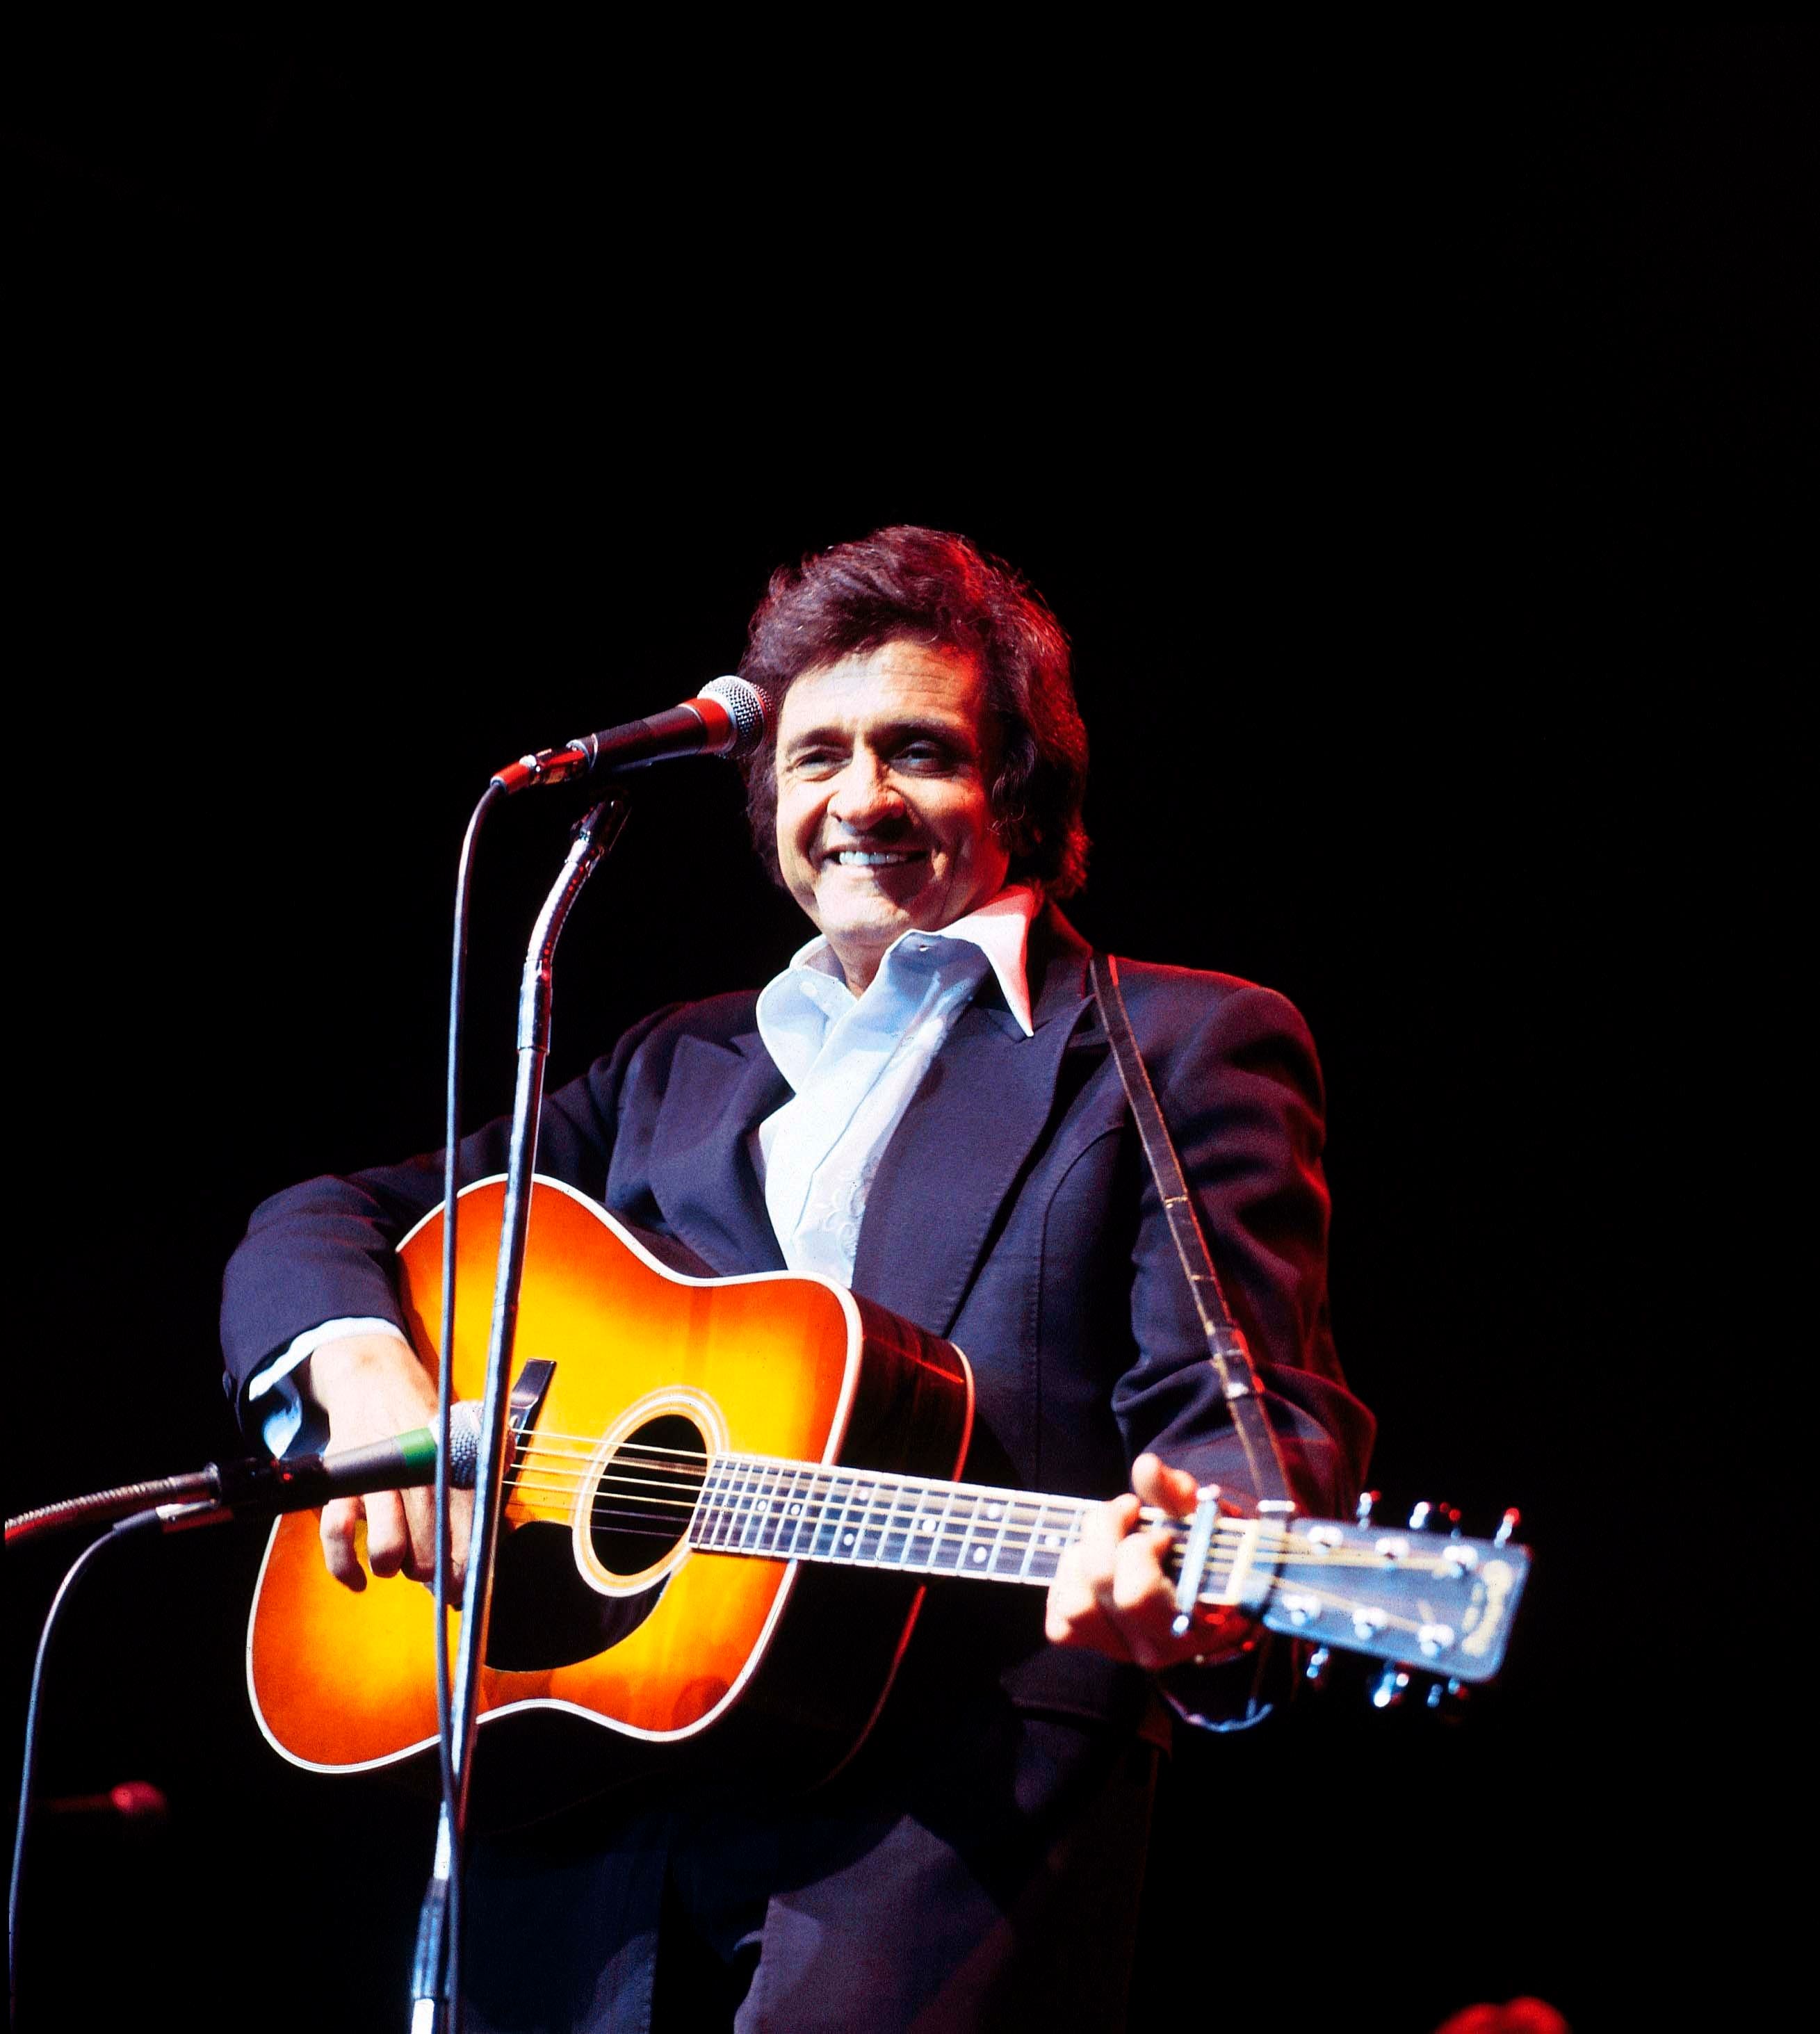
435 1983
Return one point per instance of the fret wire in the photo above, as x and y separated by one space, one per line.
775 1498
1034 1534
933 1539
761 1510
998 1543
708 1506
728 1507
839 1524
795 1507
754 1491
865 1520
847 1531
888 1490
939 1538
899 1524
803 1497
911 1532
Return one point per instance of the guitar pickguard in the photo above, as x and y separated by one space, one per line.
544 1614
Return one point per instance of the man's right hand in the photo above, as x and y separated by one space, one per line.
373 1386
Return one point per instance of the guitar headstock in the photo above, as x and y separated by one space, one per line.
1412 1596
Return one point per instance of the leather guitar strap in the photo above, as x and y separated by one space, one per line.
1226 1347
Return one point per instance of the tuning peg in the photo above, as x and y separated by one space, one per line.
1448 1699
1392 1685
1367 1500
1435 1518
1316 1672
1506 1525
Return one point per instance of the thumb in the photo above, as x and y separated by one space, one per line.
1171 1490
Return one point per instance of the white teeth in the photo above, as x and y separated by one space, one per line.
854 857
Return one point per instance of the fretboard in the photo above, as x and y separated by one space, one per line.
805 1511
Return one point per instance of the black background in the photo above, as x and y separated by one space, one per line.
1411 431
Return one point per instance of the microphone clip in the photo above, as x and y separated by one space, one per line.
544 765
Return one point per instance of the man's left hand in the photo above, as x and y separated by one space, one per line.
1111 1594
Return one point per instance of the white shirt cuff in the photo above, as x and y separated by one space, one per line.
285 1381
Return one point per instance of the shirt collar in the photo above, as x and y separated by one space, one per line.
1000 929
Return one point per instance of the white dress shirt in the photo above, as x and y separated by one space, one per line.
854 1062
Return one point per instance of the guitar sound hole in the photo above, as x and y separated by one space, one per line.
647 1493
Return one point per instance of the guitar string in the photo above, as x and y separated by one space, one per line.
757 1470
900 1518
1016 1537
747 1483
1034 1518
753 1471
827 1489
1381 1618
873 1536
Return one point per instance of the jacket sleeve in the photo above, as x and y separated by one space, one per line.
1241 1090
325 1251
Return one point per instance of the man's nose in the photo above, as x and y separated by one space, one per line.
865 797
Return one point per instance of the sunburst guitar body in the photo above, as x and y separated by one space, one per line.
604 1612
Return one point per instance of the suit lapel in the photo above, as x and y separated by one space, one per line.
701 1173
965 1137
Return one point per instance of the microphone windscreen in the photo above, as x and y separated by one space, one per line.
463 1443
748 708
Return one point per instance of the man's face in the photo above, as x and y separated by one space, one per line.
884 762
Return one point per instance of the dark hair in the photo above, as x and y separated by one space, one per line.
925 586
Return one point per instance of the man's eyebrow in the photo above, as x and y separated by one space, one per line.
956 734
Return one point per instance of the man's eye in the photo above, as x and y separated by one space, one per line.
926 756
814 762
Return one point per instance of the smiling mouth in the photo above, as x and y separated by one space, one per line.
866 858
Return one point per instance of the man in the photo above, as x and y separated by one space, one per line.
923 1105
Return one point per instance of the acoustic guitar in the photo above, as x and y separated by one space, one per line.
725 1500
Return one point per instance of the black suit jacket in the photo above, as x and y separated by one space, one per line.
1012 1213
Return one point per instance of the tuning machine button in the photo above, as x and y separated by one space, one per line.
1314 1673
1506 1525
1390 1687
1367 1500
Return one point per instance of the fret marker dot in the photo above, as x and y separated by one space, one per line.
1055 1539
926 1524
846 1539
979 1553
995 1511
796 1511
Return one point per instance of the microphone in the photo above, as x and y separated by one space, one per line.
402 1461
728 717
261 1484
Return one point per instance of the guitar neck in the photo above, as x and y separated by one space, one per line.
1441 1602
808 1511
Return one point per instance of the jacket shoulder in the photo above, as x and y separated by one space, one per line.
1193 996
